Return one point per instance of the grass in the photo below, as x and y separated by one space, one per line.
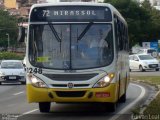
152 80
154 107
155 80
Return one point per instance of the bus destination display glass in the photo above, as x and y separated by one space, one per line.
70 14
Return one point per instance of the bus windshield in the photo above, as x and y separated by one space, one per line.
71 46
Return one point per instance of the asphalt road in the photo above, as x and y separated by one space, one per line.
13 101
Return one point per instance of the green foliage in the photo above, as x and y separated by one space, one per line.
154 107
155 80
8 24
10 56
143 20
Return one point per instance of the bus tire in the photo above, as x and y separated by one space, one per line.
44 106
123 98
112 107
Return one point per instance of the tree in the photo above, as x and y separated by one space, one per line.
8 24
154 23
143 20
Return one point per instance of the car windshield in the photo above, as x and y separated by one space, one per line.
151 51
12 65
145 57
71 46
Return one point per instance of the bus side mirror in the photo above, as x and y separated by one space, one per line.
21 34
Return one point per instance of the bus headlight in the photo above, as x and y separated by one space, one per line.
36 82
105 81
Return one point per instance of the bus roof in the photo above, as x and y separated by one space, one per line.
112 8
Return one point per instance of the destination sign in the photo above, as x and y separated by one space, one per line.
70 13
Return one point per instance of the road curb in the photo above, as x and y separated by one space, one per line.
148 102
151 98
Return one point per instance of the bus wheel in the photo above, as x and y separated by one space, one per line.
44 106
123 98
110 107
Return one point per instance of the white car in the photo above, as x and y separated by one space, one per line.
143 62
12 71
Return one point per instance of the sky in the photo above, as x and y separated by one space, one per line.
51 0
57 0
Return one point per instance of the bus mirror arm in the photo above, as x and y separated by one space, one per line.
21 34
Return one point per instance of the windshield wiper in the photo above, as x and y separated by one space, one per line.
54 31
84 31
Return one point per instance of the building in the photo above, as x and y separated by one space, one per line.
1 1
1 4
24 12
14 12
14 4
9 4
153 2
41 1
157 7
31 2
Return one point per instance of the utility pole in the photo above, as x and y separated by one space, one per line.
8 40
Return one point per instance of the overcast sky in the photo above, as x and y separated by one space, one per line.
57 0
51 0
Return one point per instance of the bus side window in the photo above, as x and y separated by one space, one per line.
116 34
120 29
121 35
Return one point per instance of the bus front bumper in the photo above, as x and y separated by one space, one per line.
64 95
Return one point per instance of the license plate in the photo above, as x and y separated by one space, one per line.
12 77
154 65
102 94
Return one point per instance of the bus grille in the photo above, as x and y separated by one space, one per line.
75 85
70 93
70 77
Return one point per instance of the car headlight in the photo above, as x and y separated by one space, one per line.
105 81
2 73
36 82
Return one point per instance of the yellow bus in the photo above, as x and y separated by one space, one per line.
76 52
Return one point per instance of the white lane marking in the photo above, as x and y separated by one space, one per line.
143 91
31 111
18 93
